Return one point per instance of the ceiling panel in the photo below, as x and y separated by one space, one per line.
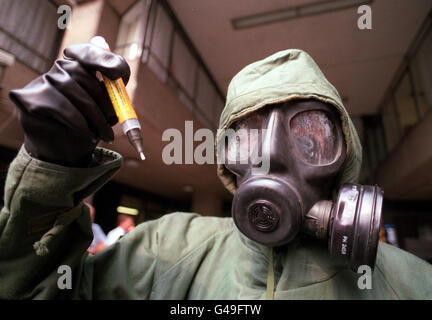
121 6
350 57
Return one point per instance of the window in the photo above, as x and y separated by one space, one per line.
160 43
2 72
374 140
6 60
28 30
411 98
391 124
405 103
149 30
207 98
183 66
131 31
421 67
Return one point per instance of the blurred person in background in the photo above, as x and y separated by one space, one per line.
99 238
125 225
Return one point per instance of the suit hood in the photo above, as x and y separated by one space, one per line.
284 76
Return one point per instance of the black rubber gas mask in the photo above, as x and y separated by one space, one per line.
287 159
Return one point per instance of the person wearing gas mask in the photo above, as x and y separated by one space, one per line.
300 230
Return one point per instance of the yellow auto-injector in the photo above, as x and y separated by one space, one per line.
122 105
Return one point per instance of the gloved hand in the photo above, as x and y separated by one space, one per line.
66 111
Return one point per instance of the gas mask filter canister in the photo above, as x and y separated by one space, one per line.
351 224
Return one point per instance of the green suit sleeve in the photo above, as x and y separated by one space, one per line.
44 225
406 276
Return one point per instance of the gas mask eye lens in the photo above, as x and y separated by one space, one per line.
243 138
315 136
238 145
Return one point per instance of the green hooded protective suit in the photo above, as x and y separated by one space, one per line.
44 227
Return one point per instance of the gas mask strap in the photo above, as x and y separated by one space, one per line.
270 278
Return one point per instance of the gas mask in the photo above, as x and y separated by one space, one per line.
287 159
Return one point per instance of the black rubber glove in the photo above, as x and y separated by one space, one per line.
66 111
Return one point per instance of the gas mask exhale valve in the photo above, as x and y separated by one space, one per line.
304 145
